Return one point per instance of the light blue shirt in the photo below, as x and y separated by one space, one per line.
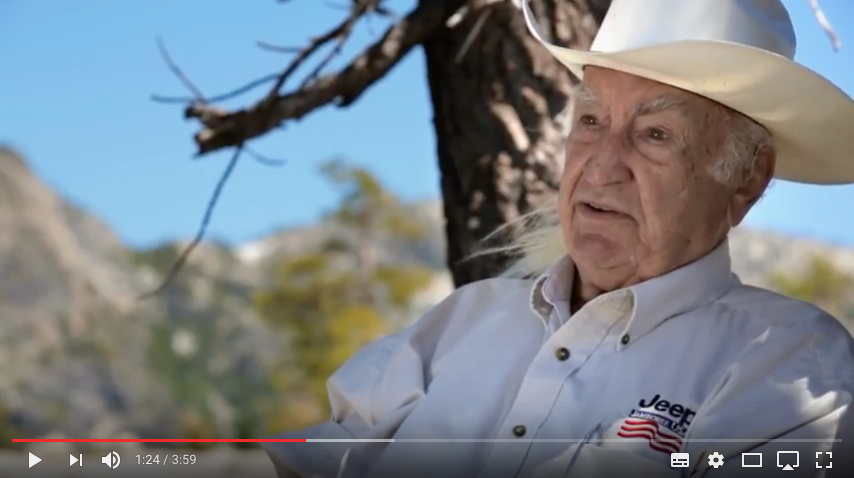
498 381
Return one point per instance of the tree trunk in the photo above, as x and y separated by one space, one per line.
500 147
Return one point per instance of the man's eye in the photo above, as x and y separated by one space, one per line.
657 134
588 120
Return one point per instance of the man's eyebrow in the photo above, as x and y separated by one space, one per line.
582 93
662 103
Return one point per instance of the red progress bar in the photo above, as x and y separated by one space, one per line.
154 440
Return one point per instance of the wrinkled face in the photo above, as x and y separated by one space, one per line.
637 198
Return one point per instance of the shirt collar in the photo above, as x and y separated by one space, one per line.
650 302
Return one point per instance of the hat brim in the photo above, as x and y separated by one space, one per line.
810 119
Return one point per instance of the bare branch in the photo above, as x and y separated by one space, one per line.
227 129
224 129
173 67
276 48
339 34
221 97
265 160
835 42
200 234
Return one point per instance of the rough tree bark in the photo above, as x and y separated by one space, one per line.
498 143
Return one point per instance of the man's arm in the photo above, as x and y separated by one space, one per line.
788 391
373 393
370 395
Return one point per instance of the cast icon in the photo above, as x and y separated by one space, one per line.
788 460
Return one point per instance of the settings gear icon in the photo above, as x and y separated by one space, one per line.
716 460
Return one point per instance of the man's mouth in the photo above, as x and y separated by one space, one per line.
601 209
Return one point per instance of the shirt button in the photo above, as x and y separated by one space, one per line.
562 354
519 430
625 339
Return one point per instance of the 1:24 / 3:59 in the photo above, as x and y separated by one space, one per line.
166 459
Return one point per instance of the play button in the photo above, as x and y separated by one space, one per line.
34 460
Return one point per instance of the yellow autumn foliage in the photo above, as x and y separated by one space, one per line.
334 300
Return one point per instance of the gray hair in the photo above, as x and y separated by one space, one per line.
738 154
536 238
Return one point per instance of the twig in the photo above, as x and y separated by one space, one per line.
339 44
203 227
173 67
340 34
221 97
267 161
276 48
835 42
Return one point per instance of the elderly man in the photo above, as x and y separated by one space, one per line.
634 340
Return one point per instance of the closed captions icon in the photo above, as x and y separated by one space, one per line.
679 460
112 459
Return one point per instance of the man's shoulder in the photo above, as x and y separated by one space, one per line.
473 310
487 295
765 305
779 321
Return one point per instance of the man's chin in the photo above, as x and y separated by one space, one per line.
600 248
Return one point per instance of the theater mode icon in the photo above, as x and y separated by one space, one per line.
751 460
679 460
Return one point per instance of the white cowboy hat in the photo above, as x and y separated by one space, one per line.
738 53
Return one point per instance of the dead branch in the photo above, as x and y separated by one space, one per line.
223 129
276 48
339 34
200 233
221 97
178 72
271 111
265 160
199 98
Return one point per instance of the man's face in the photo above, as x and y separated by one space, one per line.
637 198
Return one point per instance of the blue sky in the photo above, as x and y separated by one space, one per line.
77 77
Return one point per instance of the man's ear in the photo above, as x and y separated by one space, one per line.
754 182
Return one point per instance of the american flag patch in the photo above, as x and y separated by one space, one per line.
651 431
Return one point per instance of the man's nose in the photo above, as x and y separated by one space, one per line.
608 166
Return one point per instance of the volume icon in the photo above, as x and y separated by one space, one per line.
112 459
